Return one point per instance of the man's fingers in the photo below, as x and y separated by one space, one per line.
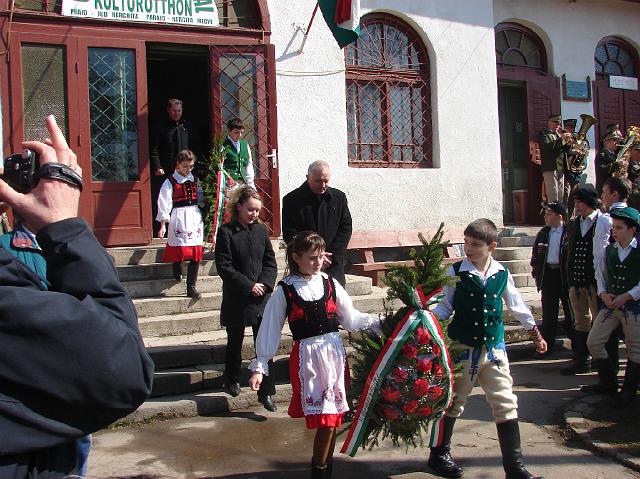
10 196
59 143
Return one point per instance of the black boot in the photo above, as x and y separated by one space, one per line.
629 386
581 363
319 472
177 271
608 383
192 277
440 459
509 438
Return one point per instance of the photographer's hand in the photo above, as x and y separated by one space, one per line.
51 200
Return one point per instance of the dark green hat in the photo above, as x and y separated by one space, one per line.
570 122
629 213
555 118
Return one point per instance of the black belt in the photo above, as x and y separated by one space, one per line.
552 266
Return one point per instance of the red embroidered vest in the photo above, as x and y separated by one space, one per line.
311 318
184 194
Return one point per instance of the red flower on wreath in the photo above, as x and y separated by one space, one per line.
435 392
424 411
410 351
390 394
436 350
424 365
423 336
410 407
421 387
400 375
391 413
438 371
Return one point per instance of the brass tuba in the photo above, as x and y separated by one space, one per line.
622 158
577 156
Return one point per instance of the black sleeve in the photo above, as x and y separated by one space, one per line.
269 265
71 359
289 229
339 244
156 164
224 265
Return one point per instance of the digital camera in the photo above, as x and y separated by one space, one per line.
20 170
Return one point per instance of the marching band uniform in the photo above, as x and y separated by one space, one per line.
178 204
553 156
238 162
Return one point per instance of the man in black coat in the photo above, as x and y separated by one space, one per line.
606 163
71 357
314 206
168 138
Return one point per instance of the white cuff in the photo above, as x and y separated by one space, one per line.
260 365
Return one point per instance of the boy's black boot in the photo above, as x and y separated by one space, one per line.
629 386
440 459
192 278
607 384
581 362
509 438
177 271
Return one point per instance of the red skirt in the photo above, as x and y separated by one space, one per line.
313 421
176 254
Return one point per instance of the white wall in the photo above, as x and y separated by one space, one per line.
312 118
571 32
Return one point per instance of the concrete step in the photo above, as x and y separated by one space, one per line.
514 241
182 315
520 231
516 266
505 254
155 271
523 280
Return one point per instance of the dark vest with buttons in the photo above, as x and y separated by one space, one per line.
580 262
478 309
621 277
184 194
235 162
311 318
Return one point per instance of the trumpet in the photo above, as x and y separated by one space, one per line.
622 158
577 158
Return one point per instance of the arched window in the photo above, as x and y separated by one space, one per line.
614 56
388 96
517 46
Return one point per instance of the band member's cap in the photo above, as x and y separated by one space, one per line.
588 195
613 126
556 208
629 213
555 118
570 122
613 135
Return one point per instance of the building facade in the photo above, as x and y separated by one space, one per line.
430 116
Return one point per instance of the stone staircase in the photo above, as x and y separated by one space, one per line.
187 343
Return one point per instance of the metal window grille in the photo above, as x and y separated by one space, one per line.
388 96
613 57
517 46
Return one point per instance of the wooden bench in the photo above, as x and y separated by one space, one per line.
363 243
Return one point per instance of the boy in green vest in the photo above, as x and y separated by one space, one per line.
237 154
477 332
618 277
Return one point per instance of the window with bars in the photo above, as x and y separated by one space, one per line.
388 96
614 57
517 46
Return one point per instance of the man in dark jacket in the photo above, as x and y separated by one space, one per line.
606 164
553 149
168 138
314 206
71 357
547 258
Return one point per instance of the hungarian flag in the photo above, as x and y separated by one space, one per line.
343 19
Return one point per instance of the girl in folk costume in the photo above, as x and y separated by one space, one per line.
314 305
247 265
178 206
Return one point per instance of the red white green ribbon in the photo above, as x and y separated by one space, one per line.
224 183
412 319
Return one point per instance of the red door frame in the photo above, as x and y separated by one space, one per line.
68 31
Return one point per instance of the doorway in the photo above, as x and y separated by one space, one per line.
178 71
512 109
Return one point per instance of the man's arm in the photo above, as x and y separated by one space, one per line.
156 164
289 229
339 244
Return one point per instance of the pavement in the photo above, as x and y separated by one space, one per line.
559 439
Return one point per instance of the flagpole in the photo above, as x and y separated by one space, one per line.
306 34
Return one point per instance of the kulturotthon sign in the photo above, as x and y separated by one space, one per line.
185 12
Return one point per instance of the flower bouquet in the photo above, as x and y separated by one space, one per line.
402 381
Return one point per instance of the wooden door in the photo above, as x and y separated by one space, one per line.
609 107
243 87
114 135
543 99
631 108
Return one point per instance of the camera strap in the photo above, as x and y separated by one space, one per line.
58 171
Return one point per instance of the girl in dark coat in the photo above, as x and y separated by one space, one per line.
247 265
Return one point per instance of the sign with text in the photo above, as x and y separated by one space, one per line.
576 90
184 12
623 83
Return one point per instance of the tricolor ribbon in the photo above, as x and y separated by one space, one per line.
415 316
224 182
